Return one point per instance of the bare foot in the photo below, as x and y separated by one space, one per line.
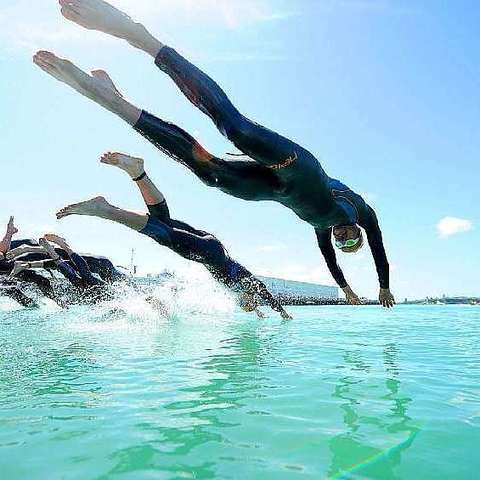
60 241
98 86
12 229
93 208
49 249
18 267
92 86
101 16
132 165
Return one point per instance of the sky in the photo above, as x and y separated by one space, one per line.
384 93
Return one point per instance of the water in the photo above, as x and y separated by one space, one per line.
339 392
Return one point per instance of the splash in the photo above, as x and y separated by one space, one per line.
189 294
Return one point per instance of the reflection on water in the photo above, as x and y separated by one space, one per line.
354 450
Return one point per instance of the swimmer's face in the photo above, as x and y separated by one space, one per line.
348 238
247 302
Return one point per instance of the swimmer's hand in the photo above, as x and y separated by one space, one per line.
386 298
351 297
259 313
285 315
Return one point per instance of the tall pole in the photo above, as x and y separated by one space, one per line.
132 266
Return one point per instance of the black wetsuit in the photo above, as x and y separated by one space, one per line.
204 248
91 288
75 268
280 170
99 265
29 276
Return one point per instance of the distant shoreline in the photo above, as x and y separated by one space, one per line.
305 302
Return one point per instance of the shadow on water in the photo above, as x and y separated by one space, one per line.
353 455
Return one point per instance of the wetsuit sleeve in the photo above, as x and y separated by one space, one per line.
375 240
324 238
261 289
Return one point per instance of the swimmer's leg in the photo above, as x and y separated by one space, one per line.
100 208
152 196
6 242
265 146
258 142
96 86
245 180
135 168
101 16
205 247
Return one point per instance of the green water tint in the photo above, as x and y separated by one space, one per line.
338 393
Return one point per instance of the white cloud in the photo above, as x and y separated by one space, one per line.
32 25
449 226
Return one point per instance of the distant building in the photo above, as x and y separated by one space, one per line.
299 290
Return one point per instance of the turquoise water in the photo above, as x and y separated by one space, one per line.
340 392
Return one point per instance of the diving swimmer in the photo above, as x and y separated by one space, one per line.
186 241
28 250
277 169
91 288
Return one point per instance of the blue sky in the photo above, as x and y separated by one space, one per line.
384 93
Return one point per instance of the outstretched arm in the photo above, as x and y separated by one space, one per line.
375 240
324 238
259 288
7 239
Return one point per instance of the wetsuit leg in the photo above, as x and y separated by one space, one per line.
161 212
243 179
205 249
85 273
268 148
70 274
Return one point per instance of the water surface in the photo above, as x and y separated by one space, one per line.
340 392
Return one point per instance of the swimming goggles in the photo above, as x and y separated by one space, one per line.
347 243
